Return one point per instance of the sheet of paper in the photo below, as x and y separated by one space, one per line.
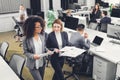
46 54
71 51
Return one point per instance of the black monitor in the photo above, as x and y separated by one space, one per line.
115 13
71 22
113 31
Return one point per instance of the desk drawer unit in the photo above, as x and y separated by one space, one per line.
118 72
103 69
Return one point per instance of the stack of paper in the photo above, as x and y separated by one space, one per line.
71 51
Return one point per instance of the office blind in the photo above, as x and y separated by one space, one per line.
9 6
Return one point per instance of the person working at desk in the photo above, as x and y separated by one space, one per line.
34 46
57 39
105 20
80 39
68 13
96 13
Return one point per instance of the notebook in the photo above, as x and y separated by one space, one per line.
97 41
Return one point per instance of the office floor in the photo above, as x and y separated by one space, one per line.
14 48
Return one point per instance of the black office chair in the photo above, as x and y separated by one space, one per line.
29 11
76 64
41 14
18 29
3 49
17 63
81 65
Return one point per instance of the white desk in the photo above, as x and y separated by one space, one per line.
6 73
104 65
115 20
79 13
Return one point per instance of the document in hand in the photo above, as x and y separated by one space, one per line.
71 51
46 54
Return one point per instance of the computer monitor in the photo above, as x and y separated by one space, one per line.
71 22
97 40
115 13
113 31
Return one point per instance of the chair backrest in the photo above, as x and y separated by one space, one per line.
85 8
93 26
103 27
3 49
17 63
29 11
60 13
15 20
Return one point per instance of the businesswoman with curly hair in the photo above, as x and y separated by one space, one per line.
57 39
34 45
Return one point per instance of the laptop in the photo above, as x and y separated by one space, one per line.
97 41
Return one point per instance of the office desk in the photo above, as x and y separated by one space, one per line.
6 73
104 63
79 13
118 72
115 20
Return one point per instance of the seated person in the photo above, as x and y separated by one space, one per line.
68 13
79 39
104 20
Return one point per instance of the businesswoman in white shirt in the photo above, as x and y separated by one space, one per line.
34 45
56 40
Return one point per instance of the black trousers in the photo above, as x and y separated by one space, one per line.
57 65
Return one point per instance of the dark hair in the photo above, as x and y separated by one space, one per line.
58 21
105 13
80 27
29 26
97 4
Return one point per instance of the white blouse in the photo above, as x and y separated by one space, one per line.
59 39
38 50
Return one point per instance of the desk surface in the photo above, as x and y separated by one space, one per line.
111 51
6 73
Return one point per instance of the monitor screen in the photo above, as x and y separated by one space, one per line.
115 13
71 22
98 40
113 31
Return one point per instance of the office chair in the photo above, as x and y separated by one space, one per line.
17 63
29 11
85 8
41 14
3 49
61 15
81 65
18 29
103 27
76 64
93 26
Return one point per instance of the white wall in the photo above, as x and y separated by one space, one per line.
56 5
